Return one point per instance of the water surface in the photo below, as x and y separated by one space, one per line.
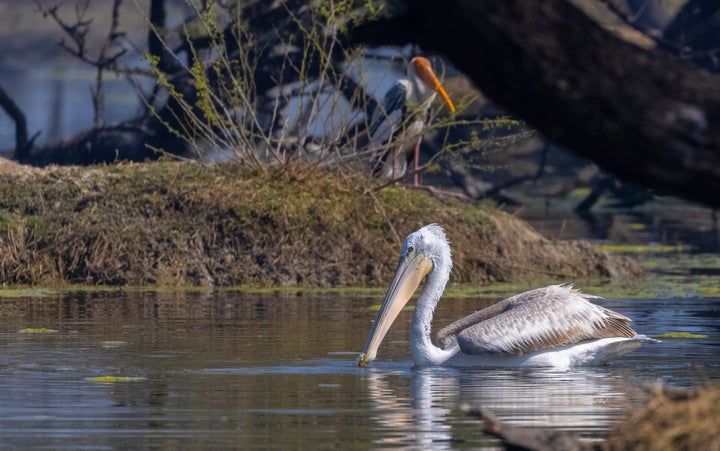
226 369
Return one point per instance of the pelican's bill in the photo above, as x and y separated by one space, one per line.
410 272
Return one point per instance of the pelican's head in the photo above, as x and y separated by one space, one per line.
421 69
423 251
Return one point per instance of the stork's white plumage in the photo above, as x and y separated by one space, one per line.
398 123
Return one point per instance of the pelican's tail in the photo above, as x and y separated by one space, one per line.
645 339
622 347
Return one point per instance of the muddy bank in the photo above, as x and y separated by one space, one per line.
174 223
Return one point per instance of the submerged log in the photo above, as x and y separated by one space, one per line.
526 439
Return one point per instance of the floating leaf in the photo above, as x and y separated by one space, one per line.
580 192
679 335
37 330
113 344
115 379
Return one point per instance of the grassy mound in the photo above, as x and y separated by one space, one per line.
174 223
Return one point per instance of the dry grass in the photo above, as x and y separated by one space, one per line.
191 224
673 420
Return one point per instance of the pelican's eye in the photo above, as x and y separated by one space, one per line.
410 249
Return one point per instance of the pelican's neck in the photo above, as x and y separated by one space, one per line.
423 350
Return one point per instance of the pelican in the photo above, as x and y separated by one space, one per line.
554 326
397 125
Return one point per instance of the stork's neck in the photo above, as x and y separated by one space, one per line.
420 94
423 350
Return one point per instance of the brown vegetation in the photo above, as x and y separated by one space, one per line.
674 419
191 224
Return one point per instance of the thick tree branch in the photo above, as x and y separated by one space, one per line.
642 114
21 136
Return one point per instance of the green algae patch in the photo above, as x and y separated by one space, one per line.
37 330
115 379
27 292
194 225
494 290
640 248
679 335
651 287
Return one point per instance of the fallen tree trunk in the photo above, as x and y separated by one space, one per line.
641 113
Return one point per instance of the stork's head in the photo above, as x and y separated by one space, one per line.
421 69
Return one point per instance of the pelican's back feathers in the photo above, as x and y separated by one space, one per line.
536 319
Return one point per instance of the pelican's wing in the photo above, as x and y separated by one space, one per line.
388 116
538 319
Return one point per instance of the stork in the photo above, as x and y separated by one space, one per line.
398 124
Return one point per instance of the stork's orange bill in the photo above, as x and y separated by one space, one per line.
424 70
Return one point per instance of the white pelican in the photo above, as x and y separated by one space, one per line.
553 326
397 125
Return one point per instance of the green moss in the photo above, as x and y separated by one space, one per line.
8 220
638 248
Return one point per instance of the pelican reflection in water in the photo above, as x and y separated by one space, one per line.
418 409
553 326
